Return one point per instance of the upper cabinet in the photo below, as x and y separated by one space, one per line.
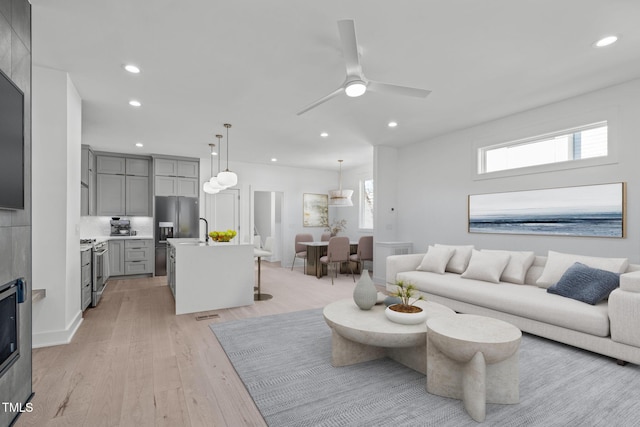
87 182
123 186
176 177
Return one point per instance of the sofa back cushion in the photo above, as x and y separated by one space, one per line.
558 263
460 259
516 269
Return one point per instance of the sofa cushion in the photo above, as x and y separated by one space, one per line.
460 259
516 269
436 259
487 266
526 301
586 284
558 263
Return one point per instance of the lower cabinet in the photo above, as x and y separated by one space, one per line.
129 257
85 279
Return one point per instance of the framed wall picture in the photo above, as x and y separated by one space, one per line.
589 210
315 210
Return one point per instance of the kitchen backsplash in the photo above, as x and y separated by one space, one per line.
96 226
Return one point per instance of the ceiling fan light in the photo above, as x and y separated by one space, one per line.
227 178
355 88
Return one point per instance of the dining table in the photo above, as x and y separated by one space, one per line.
316 250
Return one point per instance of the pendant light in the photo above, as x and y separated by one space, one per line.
208 187
340 197
213 182
226 177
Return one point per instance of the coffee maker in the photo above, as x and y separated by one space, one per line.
120 227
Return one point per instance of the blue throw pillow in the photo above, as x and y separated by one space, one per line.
586 284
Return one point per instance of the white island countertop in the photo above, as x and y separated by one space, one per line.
212 276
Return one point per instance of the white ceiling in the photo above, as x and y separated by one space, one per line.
256 63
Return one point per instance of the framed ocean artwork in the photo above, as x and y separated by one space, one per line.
589 210
315 210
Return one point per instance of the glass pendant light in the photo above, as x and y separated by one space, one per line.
226 177
207 187
340 197
213 182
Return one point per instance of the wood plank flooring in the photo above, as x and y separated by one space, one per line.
133 362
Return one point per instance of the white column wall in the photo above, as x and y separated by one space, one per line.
56 214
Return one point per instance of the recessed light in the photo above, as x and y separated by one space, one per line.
324 134
392 124
273 159
606 41
135 103
132 68
139 144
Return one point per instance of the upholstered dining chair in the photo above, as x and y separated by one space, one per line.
301 250
325 237
337 253
365 251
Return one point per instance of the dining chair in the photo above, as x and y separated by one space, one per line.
365 251
325 237
337 253
301 250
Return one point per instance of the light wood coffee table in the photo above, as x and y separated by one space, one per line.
363 335
475 359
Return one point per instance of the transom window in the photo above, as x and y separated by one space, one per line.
564 146
366 204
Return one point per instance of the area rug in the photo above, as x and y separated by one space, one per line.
285 363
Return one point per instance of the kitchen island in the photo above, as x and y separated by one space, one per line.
209 276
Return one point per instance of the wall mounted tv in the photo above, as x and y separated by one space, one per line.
11 145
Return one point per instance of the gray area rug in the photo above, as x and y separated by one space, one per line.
285 363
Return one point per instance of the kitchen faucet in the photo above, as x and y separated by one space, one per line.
206 230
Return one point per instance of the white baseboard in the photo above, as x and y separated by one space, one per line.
51 338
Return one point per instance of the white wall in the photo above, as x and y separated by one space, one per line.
437 176
351 181
56 214
292 182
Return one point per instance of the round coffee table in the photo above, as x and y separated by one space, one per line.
473 358
362 335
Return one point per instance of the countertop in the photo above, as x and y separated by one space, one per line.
100 239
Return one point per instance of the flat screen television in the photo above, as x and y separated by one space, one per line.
11 145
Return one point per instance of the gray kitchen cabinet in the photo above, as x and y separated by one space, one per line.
84 200
188 187
111 195
188 169
84 166
166 167
116 257
85 278
137 195
138 256
87 182
93 189
175 186
111 165
138 167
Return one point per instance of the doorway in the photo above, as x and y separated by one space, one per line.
267 220
222 210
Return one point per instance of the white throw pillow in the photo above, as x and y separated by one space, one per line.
486 266
436 259
519 263
558 263
460 259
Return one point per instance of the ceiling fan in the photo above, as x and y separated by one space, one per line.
356 83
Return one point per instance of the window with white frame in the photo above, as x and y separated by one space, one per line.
569 145
366 204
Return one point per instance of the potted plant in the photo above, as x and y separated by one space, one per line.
336 227
405 311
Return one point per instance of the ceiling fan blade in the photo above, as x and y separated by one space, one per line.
347 29
321 100
397 90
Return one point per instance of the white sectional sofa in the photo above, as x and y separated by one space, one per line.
610 327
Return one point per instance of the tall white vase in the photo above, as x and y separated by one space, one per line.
365 294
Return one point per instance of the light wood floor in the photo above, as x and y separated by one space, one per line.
134 363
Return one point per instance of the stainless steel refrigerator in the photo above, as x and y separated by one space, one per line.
175 217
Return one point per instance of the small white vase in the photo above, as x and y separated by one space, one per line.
365 294
405 318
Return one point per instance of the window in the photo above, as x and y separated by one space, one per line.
568 145
366 204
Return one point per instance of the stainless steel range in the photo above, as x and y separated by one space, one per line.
100 271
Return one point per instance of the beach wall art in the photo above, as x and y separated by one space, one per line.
590 210
315 210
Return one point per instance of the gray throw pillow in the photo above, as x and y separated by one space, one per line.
586 284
